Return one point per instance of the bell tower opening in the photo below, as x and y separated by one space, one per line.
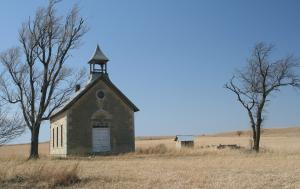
98 64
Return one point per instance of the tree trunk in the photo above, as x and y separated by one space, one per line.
257 141
253 136
34 147
259 121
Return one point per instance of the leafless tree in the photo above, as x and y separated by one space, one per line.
36 77
10 127
261 78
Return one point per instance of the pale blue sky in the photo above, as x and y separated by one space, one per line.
172 58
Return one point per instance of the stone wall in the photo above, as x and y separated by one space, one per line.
80 125
58 145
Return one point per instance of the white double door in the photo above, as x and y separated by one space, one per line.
101 139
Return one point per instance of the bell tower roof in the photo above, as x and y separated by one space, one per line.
98 57
98 64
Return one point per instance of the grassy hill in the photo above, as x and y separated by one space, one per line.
268 132
18 150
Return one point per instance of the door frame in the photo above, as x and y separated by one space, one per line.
101 124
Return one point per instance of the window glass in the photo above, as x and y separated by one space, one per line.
100 124
53 138
56 136
61 135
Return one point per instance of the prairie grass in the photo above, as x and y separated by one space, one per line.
158 149
37 175
158 164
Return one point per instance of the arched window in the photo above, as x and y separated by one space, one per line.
100 124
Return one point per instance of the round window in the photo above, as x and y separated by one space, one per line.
100 94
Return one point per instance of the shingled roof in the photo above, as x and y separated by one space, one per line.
184 138
98 57
81 92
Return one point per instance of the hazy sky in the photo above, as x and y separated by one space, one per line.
172 58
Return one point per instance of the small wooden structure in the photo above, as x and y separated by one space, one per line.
184 141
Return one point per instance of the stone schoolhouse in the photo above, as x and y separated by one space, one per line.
98 119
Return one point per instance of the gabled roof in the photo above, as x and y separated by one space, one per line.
98 57
81 92
184 138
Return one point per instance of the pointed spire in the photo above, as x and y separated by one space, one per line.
98 57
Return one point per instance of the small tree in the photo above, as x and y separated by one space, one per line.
261 78
36 77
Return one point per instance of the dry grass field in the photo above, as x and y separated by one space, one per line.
157 164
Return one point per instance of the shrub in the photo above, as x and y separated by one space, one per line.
158 149
66 177
239 133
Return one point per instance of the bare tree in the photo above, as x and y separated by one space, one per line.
36 77
261 78
10 127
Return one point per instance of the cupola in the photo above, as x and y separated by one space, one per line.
98 64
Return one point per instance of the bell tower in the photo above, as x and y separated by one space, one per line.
98 64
